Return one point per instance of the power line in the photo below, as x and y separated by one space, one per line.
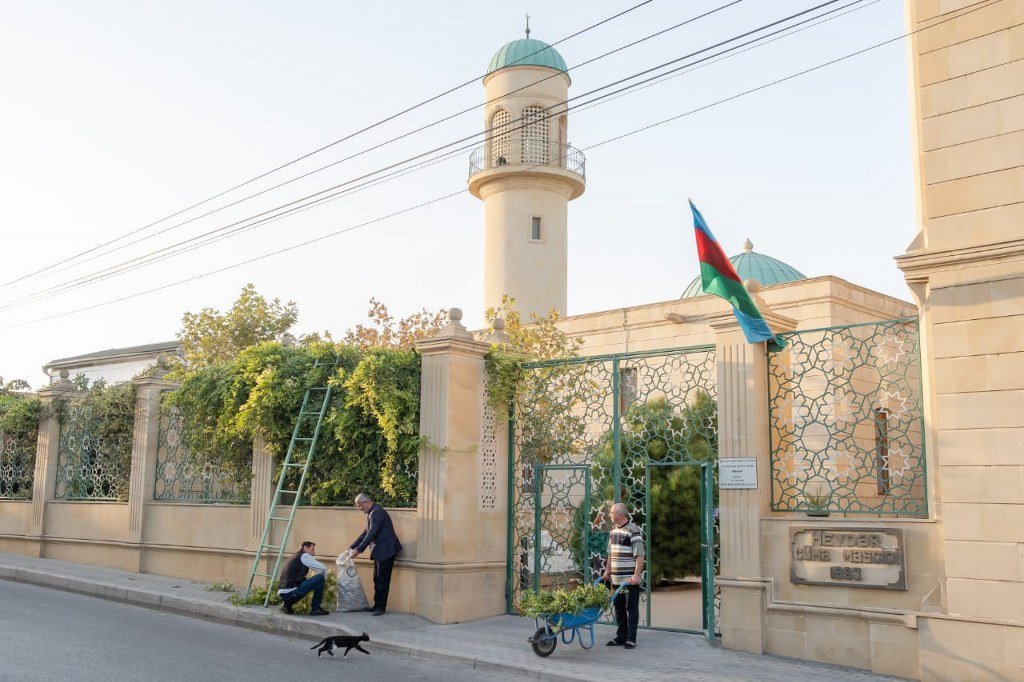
55 268
263 217
325 147
968 10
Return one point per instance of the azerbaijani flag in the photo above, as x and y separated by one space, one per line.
718 277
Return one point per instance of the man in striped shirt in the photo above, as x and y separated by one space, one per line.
625 567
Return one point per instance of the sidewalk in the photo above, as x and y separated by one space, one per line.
495 644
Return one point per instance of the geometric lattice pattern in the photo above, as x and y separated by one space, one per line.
846 425
535 135
182 477
588 432
91 464
17 468
488 458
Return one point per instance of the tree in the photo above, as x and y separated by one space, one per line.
210 336
382 331
13 386
675 441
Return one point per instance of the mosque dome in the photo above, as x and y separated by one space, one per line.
527 52
750 265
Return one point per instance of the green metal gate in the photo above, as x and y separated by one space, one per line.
639 428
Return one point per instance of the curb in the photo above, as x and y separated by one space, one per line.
263 621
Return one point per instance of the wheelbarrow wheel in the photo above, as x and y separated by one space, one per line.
543 645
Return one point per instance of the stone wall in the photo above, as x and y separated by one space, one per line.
966 268
451 569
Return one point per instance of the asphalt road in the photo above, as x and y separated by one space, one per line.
51 635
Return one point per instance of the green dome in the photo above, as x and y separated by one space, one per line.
527 52
750 265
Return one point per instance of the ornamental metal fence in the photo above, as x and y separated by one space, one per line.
640 428
846 424
93 455
17 467
182 476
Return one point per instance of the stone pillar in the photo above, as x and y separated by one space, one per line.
460 548
743 428
145 443
45 478
261 493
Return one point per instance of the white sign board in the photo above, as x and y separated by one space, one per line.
737 473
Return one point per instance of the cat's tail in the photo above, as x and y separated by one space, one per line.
318 644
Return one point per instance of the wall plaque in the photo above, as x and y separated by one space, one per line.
737 473
849 557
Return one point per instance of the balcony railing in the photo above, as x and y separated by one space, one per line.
527 152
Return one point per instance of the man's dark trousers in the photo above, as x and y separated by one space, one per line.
382 582
314 584
627 613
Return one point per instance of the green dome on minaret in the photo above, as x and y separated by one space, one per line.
750 265
527 52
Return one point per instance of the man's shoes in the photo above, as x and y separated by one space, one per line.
319 612
369 609
286 606
379 612
614 642
630 645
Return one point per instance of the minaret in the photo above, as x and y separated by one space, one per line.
526 173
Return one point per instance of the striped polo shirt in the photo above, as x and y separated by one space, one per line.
625 544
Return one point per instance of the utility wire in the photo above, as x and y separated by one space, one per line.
325 147
965 11
760 42
66 265
232 228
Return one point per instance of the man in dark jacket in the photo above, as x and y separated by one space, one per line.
381 533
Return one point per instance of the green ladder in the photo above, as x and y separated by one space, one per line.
300 454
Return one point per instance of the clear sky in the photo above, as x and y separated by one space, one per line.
117 114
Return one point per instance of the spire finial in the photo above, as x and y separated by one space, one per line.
527 25
748 245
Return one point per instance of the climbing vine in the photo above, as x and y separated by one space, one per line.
369 440
538 339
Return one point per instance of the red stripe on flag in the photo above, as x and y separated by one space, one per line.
710 252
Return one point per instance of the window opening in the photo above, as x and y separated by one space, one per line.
535 135
501 137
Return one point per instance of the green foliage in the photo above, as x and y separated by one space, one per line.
258 594
19 426
210 336
14 385
370 437
534 603
102 423
655 432
19 419
538 339
223 586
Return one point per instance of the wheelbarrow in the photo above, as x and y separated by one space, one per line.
569 626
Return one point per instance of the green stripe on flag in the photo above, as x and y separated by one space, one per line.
714 282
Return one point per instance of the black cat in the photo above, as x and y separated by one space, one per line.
329 644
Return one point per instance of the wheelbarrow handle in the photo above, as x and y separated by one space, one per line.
616 592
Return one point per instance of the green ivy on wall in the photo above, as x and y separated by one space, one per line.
370 437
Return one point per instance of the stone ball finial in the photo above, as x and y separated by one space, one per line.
752 285
748 245
455 314
163 361
498 324
65 375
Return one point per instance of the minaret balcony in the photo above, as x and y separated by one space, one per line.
503 158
